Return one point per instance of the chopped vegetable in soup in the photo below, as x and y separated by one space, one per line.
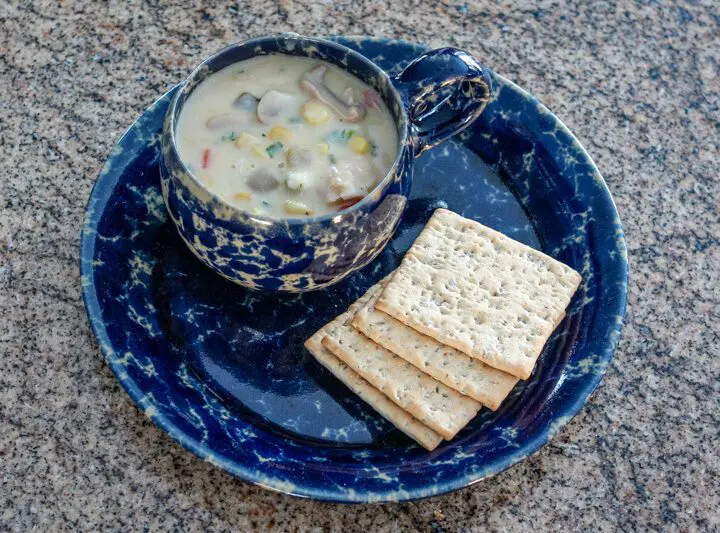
287 136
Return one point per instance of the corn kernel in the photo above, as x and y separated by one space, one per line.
294 207
241 195
324 148
245 139
359 145
313 112
279 133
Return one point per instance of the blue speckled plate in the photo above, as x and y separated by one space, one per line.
223 370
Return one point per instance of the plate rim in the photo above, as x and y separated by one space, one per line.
106 178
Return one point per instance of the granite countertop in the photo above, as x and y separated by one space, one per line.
638 83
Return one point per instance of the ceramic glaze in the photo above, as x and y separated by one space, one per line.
286 136
310 253
222 368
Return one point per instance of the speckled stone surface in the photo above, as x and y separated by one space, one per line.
638 84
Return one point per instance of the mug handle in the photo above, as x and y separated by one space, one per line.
464 86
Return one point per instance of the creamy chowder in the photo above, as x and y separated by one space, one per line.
287 136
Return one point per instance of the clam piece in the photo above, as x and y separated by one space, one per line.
224 122
246 102
350 178
262 180
348 96
274 105
313 83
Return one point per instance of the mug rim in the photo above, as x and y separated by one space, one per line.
375 194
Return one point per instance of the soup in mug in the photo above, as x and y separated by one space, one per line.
287 136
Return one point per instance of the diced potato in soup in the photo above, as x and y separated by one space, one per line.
286 136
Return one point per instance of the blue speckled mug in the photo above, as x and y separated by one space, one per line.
436 96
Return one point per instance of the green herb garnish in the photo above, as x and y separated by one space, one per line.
266 204
229 137
335 137
295 120
340 137
332 158
274 148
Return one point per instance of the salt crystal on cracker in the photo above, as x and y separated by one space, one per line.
406 423
439 407
455 369
479 291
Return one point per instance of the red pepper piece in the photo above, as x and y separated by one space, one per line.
344 204
206 158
